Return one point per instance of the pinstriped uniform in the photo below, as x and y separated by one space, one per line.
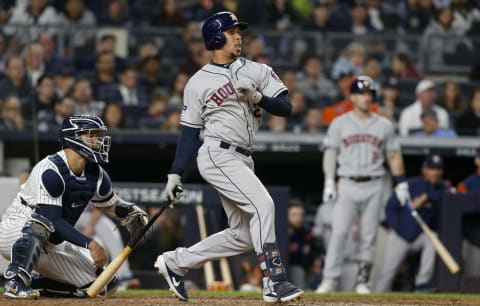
64 262
227 117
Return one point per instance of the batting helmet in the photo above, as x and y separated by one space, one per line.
363 84
213 27
76 126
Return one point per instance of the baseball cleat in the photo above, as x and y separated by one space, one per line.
16 289
283 292
362 288
326 286
174 281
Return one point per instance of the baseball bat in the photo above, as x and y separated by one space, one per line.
444 254
113 266
208 267
225 271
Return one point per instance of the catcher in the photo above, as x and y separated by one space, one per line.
47 255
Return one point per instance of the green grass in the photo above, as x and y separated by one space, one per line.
310 293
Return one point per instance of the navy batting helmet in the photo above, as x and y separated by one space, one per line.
213 27
75 134
363 84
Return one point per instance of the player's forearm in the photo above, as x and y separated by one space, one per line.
278 106
395 161
329 163
187 145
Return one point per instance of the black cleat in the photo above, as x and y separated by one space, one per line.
175 281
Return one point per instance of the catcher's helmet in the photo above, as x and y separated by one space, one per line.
363 84
81 125
213 27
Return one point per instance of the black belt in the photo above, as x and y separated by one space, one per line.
226 145
361 179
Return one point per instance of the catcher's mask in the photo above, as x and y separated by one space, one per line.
85 135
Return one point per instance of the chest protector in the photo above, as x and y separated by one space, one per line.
78 191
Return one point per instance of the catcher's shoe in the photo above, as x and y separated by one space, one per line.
16 289
175 281
282 291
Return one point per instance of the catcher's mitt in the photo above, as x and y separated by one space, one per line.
134 221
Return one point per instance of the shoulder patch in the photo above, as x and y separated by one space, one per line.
53 183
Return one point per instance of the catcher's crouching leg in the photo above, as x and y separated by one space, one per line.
25 253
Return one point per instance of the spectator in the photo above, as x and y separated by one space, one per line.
382 15
319 20
53 61
38 15
177 88
15 83
172 123
313 121
168 14
311 81
430 127
289 78
254 46
389 103
78 17
340 18
85 104
6 7
64 80
451 99
146 48
105 72
106 44
150 75
468 122
277 124
281 14
373 69
11 114
359 16
410 117
415 15
352 61
196 57
43 100
63 108
299 243
112 116
34 62
200 10
115 14
127 91
296 120
156 112
403 68
405 234
443 38
467 15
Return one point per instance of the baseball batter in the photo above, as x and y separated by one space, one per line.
37 230
225 99
360 141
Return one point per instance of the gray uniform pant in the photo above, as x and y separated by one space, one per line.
354 198
397 248
249 208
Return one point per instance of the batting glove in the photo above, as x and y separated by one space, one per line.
329 191
170 192
403 195
249 90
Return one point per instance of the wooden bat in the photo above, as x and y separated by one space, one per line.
208 267
226 274
444 254
113 267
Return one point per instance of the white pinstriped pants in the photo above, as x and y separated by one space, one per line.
65 262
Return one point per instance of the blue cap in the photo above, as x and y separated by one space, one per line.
433 161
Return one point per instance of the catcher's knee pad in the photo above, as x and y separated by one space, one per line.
26 250
271 263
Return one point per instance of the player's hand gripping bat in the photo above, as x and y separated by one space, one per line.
113 267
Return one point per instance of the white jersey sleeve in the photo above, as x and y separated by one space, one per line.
270 83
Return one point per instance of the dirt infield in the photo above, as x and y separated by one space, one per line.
206 299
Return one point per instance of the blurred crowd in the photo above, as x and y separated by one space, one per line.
56 60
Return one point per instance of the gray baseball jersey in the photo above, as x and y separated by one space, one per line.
212 103
361 144
64 262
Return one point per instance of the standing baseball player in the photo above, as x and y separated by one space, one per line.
37 230
225 99
359 141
